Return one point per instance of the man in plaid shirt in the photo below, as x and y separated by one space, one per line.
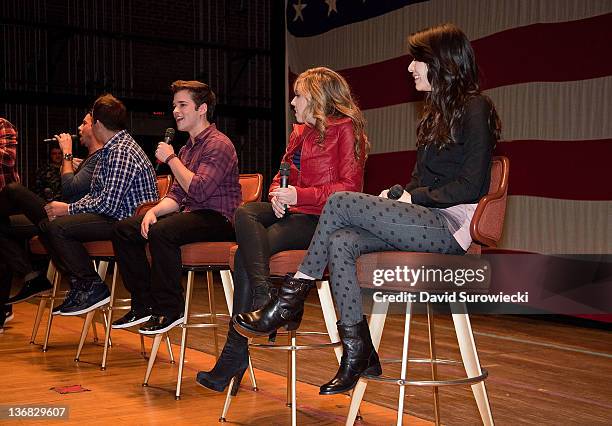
199 207
8 153
122 180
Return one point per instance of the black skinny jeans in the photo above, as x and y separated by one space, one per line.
260 234
158 285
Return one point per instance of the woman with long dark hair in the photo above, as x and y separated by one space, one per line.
456 135
326 153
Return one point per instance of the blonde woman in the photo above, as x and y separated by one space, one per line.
326 153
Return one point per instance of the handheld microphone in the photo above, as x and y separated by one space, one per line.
168 138
284 172
395 192
75 138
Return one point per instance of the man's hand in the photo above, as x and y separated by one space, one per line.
76 162
383 193
56 208
65 142
148 220
278 207
405 198
285 195
163 151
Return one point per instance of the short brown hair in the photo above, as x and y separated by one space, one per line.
110 111
200 94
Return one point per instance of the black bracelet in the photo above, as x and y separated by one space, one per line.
170 157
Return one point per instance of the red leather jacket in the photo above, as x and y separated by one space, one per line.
324 168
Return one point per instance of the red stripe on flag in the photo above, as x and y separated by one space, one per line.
573 170
565 51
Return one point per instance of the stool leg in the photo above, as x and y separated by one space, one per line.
231 392
94 329
39 312
376 325
404 367
154 349
56 282
467 347
84 331
143 350
109 323
252 374
329 315
434 366
228 289
289 371
293 379
213 310
185 325
169 345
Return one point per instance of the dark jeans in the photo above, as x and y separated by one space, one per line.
158 285
260 234
20 209
64 238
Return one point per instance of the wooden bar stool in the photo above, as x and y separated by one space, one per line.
486 229
55 277
207 257
281 264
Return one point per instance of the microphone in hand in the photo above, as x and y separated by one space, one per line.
168 138
395 192
284 172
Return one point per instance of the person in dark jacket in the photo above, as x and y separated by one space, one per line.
326 153
456 135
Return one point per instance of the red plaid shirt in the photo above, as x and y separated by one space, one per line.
8 153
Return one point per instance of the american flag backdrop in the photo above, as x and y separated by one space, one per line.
547 65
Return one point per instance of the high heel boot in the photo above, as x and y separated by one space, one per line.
232 363
284 310
358 357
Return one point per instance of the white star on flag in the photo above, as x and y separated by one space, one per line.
298 10
332 6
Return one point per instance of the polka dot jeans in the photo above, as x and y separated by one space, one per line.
353 224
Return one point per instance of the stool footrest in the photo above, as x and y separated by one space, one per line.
298 347
437 383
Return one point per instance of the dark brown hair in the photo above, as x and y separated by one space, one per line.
453 75
200 94
110 111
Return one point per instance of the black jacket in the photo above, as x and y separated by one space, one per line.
459 173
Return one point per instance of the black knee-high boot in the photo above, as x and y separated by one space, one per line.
358 357
232 363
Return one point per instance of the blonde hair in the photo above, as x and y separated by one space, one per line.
331 97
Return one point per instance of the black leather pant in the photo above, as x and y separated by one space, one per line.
260 234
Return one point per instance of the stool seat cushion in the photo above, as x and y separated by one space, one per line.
206 253
415 272
36 246
100 248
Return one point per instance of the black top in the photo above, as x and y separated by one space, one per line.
460 172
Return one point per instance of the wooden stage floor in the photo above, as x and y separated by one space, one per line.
541 372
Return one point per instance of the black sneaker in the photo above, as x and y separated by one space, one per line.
31 288
160 324
8 313
134 317
68 302
88 300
